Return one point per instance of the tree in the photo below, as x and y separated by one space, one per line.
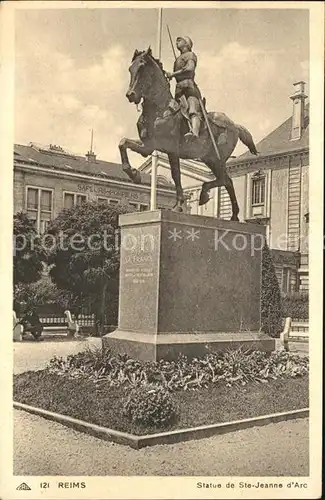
271 304
28 252
85 257
40 293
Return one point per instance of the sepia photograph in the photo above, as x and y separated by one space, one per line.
161 244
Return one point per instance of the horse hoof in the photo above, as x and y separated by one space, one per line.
235 218
136 176
126 168
177 209
204 198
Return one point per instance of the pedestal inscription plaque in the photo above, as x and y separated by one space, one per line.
139 269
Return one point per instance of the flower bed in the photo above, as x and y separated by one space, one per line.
144 398
233 367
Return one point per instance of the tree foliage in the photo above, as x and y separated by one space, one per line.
28 253
39 294
85 256
296 305
271 305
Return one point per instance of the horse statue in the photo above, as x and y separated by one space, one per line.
163 124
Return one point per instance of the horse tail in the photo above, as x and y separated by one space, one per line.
246 137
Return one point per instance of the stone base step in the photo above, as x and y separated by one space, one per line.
168 346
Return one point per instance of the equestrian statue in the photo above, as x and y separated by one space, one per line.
180 127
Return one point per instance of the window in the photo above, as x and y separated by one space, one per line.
138 207
134 206
108 201
72 199
68 200
102 200
80 199
39 205
289 280
258 191
46 200
32 199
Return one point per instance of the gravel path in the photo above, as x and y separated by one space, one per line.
35 355
42 447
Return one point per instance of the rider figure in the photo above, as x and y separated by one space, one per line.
184 73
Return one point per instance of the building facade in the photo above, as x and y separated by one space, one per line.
48 179
271 189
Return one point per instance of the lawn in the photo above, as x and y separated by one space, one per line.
102 404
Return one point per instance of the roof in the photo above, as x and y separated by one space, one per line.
279 141
56 158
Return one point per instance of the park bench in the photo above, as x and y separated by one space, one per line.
294 331
52 324
60 324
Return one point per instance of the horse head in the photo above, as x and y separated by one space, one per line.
146 73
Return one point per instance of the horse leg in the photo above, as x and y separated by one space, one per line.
138 147
219 171
232 195
222 179
176 175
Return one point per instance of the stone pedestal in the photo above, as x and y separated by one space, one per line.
188 284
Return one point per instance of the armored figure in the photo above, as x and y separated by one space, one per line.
184 74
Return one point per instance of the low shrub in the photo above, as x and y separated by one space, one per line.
295 305
150 405
233 367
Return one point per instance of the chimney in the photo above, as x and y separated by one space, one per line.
298 115
91 157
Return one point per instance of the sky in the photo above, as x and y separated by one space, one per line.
71 69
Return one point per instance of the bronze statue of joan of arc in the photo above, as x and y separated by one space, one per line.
184 74
162 124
